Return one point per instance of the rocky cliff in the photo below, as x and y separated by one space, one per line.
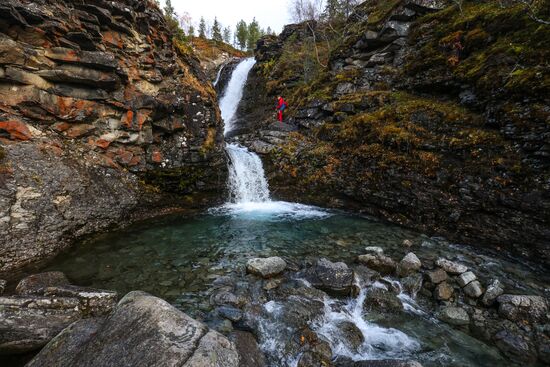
424 113
102 117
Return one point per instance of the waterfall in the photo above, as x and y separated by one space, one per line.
248 188
234 93
218 75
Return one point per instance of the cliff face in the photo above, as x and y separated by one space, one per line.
101 117
426 115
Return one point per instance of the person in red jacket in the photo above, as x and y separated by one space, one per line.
281 105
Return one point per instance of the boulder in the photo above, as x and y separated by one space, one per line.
408 265
34 284
454 316
436 276
473 289
266 267
382 264
333 278
443 291
521 307
352 334
515 346
450 266
381 300
230 313
142 331
494 290
249 352
465 278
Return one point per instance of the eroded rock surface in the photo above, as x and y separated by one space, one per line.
142 331
96 102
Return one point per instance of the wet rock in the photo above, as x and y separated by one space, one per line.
333 278
93 302
450 266
230 313
412 284
317 352
518 307
473 289
465 278
249 352
443 291
436 276
454 316
271 284
352 334
515 346
494 290
266 267
383 264
225 298
409 264
156 333
381 300
35 283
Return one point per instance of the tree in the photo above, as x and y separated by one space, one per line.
269 31
241 33
227 35
202 28
191 31
216 31
306 10
254 34
169 10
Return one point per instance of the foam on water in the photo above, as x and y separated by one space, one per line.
271 210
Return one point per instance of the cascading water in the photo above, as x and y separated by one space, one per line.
249 192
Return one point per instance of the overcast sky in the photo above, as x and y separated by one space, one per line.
273 13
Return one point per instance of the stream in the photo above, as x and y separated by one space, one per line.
180 259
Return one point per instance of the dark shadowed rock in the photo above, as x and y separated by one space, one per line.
443 291
352 334
520 307
333 278
142 331
249 352
494 290
383 264
3 284
473 289
515 346
35 283
436 276
381 300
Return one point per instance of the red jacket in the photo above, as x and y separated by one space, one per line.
282 104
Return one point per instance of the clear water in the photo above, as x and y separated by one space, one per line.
177 258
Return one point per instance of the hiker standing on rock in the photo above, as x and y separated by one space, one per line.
281 105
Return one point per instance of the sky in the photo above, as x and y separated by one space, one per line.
273 13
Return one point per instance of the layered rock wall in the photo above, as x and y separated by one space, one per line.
101 115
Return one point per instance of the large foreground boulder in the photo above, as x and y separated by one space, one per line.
142 331
266 267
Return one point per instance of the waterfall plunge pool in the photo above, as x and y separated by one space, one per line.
179 259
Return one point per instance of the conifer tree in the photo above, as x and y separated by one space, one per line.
202 28
227 35
241 33
254 34
191 31
216 31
